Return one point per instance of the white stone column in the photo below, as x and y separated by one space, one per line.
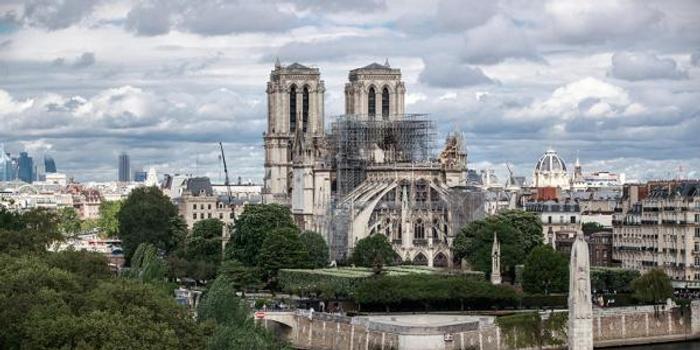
580 331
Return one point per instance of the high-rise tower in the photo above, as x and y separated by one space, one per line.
124 168
375 92
49 164
295 107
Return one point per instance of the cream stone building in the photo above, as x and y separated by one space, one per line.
372 172
657 225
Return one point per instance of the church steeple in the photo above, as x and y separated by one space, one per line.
495 261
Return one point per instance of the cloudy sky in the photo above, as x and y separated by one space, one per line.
617 82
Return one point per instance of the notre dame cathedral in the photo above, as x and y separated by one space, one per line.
371 171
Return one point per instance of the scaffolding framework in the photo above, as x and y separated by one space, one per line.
355 139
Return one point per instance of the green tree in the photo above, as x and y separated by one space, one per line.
281 249
146 265
546 271
147 216
235 330
31 232
591 227
653 287
88 267
529 226
242 277
475 241
373 251
316 246
205 241
251 230
69 222
109 217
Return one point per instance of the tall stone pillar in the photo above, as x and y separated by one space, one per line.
495 261
580 303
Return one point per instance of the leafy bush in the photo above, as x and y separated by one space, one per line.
412 292
612 279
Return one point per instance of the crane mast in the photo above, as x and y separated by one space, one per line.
226 181
224 230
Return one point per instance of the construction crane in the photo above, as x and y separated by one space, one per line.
226 181
224 230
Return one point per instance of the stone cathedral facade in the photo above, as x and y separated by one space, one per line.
370 174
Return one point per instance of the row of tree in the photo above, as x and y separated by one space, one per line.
71 300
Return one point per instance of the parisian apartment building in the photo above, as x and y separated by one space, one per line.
657 224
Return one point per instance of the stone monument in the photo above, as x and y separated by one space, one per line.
580 331
495 261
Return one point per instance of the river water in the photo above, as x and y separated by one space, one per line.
692 345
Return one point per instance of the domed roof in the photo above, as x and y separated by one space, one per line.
550 162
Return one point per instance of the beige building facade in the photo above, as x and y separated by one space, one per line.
657 225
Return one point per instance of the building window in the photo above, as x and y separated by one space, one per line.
697 232
194 206
230 216
221 216
293 108
385 103
209 206
208 215
419 230
697 217
573 219
549 220
201 206
201 215
194 216
305 108
372 103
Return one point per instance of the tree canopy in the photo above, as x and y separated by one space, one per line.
316 245
109 217
234 329
546 271
373 251
653 287
518 232
148 216
281 249
252 228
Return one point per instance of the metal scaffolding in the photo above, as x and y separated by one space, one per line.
356 140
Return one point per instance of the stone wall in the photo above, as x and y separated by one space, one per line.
611 327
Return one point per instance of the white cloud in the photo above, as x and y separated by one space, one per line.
9 105
588 97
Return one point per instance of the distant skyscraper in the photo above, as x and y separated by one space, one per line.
5 165
26 167
49 164
139 176
124 168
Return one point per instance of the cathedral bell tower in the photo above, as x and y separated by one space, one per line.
375 92
294 106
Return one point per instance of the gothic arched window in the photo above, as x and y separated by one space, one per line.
305 108
293 108
419 230
385 103
371 103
